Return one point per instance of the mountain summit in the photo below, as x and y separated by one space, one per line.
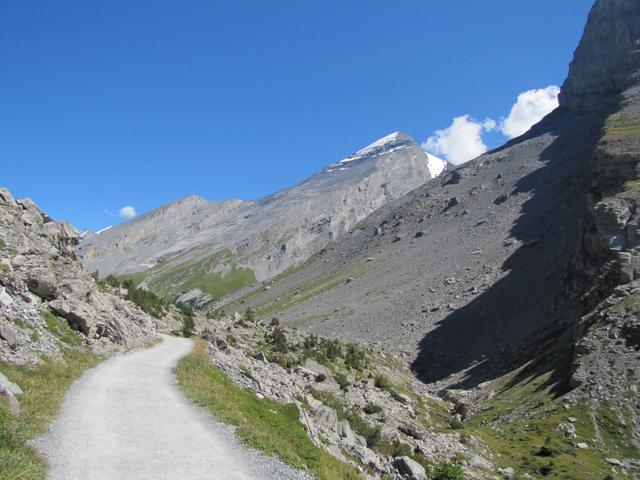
217 247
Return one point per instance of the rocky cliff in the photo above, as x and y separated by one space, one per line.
44 291
219 247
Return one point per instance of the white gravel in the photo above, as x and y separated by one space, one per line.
126 419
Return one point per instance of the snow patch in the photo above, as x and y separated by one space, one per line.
103 230
435 165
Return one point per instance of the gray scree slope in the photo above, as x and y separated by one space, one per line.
126 419
469 270
270 234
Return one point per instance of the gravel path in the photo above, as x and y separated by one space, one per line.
126 419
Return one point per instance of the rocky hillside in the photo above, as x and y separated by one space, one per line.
474 261
216 248
510 284
47 301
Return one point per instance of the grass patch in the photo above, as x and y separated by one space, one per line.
195 270
269 426
60 329
266 305
535 445
44 388
622 126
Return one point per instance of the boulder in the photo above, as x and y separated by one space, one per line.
5 298
10 398
9 336
30 206
61 234
345 432
6 197
326 417
42 282
80 316
9 385
410 468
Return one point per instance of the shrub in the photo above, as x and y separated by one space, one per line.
249 316
277 339
456 424
448 471
321 377
231 340
382 382
145 299
371 408
342 381
355 358
274 322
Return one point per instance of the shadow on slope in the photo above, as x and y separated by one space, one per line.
515 321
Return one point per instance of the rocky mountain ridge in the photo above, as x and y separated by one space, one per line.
239 241
46 297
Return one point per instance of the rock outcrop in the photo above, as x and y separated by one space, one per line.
43 288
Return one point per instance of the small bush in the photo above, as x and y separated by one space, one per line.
372 408
456 424
188 325
277 339
342 381
274 322
231 340
382 382
145 299
448 471
249 316
355 358
321 377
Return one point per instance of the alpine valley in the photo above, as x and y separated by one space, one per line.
404 317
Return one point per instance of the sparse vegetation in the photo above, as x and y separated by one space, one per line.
277 339
269 426
44 387
188 325
448 471
382 382
145 299
60 329
371 409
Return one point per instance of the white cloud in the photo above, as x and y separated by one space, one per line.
461 141
127 212
529 109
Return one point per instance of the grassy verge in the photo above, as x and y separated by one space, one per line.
269 426
44 388
537 446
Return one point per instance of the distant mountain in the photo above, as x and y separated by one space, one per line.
218 247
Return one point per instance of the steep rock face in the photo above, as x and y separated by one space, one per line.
39 275
238 241
606 268
607 58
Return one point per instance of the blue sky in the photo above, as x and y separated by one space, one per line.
136 103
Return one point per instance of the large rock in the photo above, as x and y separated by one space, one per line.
6 197
410 468
10 398
5 298
80 316
9 385
43 283
8 335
